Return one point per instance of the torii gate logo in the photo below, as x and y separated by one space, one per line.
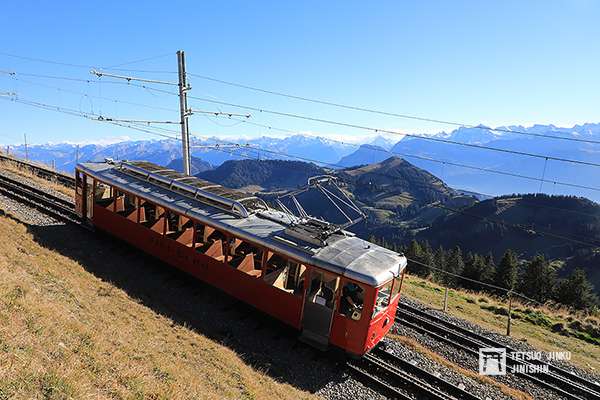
492 361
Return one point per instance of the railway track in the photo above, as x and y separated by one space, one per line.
41 170
397 377
564 382
54 206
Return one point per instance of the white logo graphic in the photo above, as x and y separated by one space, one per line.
492 361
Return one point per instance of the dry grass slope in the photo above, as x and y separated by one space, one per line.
66 334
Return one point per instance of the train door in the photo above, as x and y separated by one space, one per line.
88 194
79 200
84 201
319 304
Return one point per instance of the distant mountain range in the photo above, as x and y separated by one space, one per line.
483 172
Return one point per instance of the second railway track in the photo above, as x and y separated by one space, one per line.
54 206
398 377
566 383
41 170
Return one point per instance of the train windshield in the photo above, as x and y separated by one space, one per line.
386 294
383 297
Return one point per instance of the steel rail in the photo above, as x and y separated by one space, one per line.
45 202
494 343
373 379
564 382
593 387
42 170
448 388
391 373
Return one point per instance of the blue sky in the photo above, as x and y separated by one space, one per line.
497 63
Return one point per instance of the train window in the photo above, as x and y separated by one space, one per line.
103 194
210 242
383 297
153 217
352 300
124 203
284 274
322 289
397 285
179 228
295 277
245 257
276 271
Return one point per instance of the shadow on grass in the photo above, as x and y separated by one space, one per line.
261 341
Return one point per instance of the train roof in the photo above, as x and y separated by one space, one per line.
248 218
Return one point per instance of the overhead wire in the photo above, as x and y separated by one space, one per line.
93 117
88 66
387 113
378 130
432 159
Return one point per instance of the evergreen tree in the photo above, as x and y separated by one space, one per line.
475 268
489 271
507 271
539 279
439 262
454 265
576 291
414 252
427 258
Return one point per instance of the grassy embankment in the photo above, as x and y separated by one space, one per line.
545 328
65 333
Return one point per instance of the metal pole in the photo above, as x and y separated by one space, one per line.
54 165
26 152
446 299
183 111
508 323
77 155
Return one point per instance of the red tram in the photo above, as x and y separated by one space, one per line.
333 287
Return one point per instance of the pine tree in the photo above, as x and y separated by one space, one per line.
427 258
489 271
576 291
439 262
474 269
454 265
539 279
414 252
507 271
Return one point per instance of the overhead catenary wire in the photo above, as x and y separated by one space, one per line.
94 117
411 135
447 162
387 113
467 279
101 74
379 130
88 66
58 77
432 159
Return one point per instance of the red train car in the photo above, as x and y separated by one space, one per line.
333 287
